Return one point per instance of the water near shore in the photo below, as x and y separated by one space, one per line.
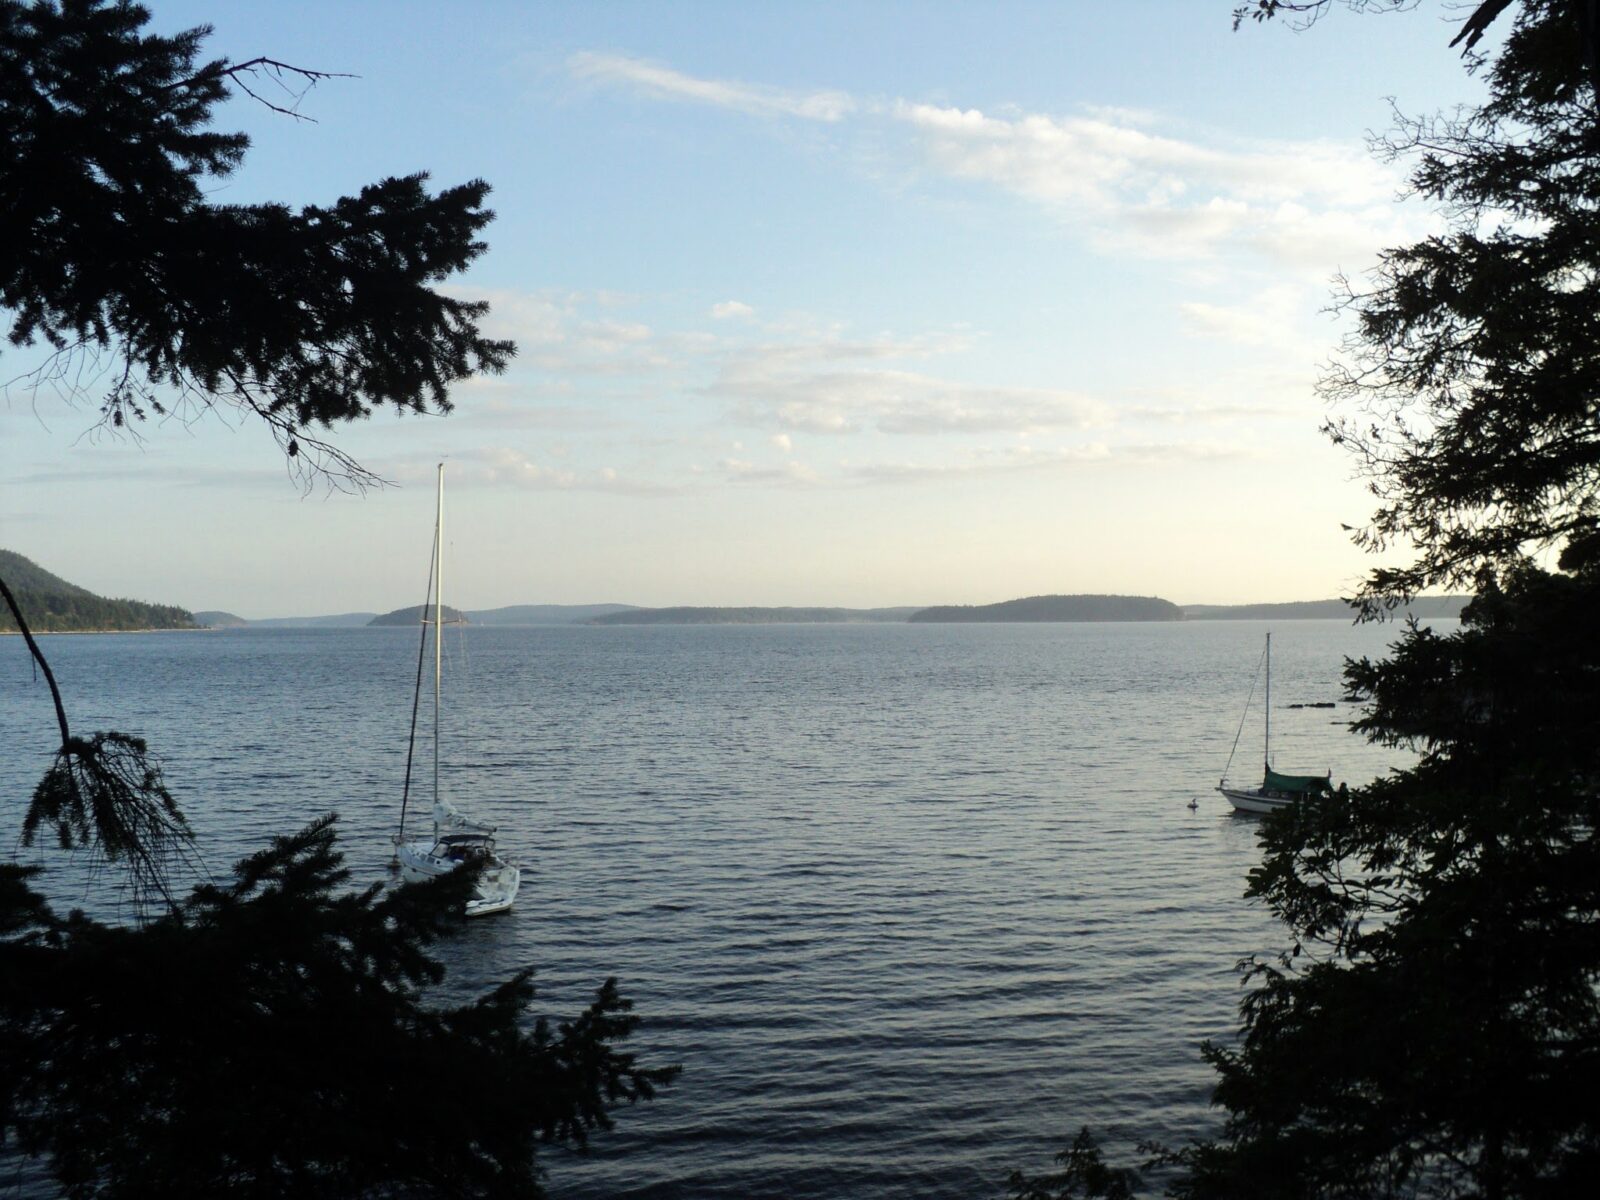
910 903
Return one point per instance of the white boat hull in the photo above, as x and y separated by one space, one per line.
1254 800
497 886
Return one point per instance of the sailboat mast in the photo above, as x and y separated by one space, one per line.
438 623
1266 745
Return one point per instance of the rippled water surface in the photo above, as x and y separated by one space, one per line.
909 903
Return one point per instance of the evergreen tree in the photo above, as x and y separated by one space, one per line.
1434 1029
112 250
270 1036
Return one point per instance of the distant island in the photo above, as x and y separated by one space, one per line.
1311 610
751 616
217 619
50 604
545 614
1055 608
416 613
332 621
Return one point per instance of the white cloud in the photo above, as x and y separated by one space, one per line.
731 308
1219 414
817 388
754 99
1249 325
792 474
503 467
560 332
670 395
502 403
1010 460
1111 173
1105 157
1309 204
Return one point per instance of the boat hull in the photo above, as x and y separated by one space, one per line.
1254 800
496 889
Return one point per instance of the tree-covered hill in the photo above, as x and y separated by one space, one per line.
52 605
216 619
688 615
415 614
1058 608
544 614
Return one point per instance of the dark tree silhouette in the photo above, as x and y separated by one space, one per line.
113 253
1433 1027
1581 19
271 1036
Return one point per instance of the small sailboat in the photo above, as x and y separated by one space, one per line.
457 839
1276 790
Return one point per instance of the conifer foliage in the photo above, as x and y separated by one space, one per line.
113 252
269 1037
274 1035
1433 1029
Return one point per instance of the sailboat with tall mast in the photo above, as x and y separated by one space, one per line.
1276 790
457 839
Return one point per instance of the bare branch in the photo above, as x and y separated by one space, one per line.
277 70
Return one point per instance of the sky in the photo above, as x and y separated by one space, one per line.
816 304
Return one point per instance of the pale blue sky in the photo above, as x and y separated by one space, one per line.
852 304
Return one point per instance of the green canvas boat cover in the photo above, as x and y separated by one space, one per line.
1301 785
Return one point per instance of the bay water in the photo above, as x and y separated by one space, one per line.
909 903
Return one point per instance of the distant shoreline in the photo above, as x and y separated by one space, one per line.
75 632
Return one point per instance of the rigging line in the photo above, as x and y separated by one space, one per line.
461 661
463 664
1240 731
416 700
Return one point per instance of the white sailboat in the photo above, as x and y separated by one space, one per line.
457 839
1276 790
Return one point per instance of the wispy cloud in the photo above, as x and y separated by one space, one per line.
755 99
818 388
1023 459
1167 196
1113 174
1265 318
504 467
510 409
570 333
638 425
789 474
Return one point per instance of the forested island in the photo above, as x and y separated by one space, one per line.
689 615
1086 607
50 604
217 619
544 614
1056 608
417 613
62 606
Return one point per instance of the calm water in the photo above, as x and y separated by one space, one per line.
909 903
